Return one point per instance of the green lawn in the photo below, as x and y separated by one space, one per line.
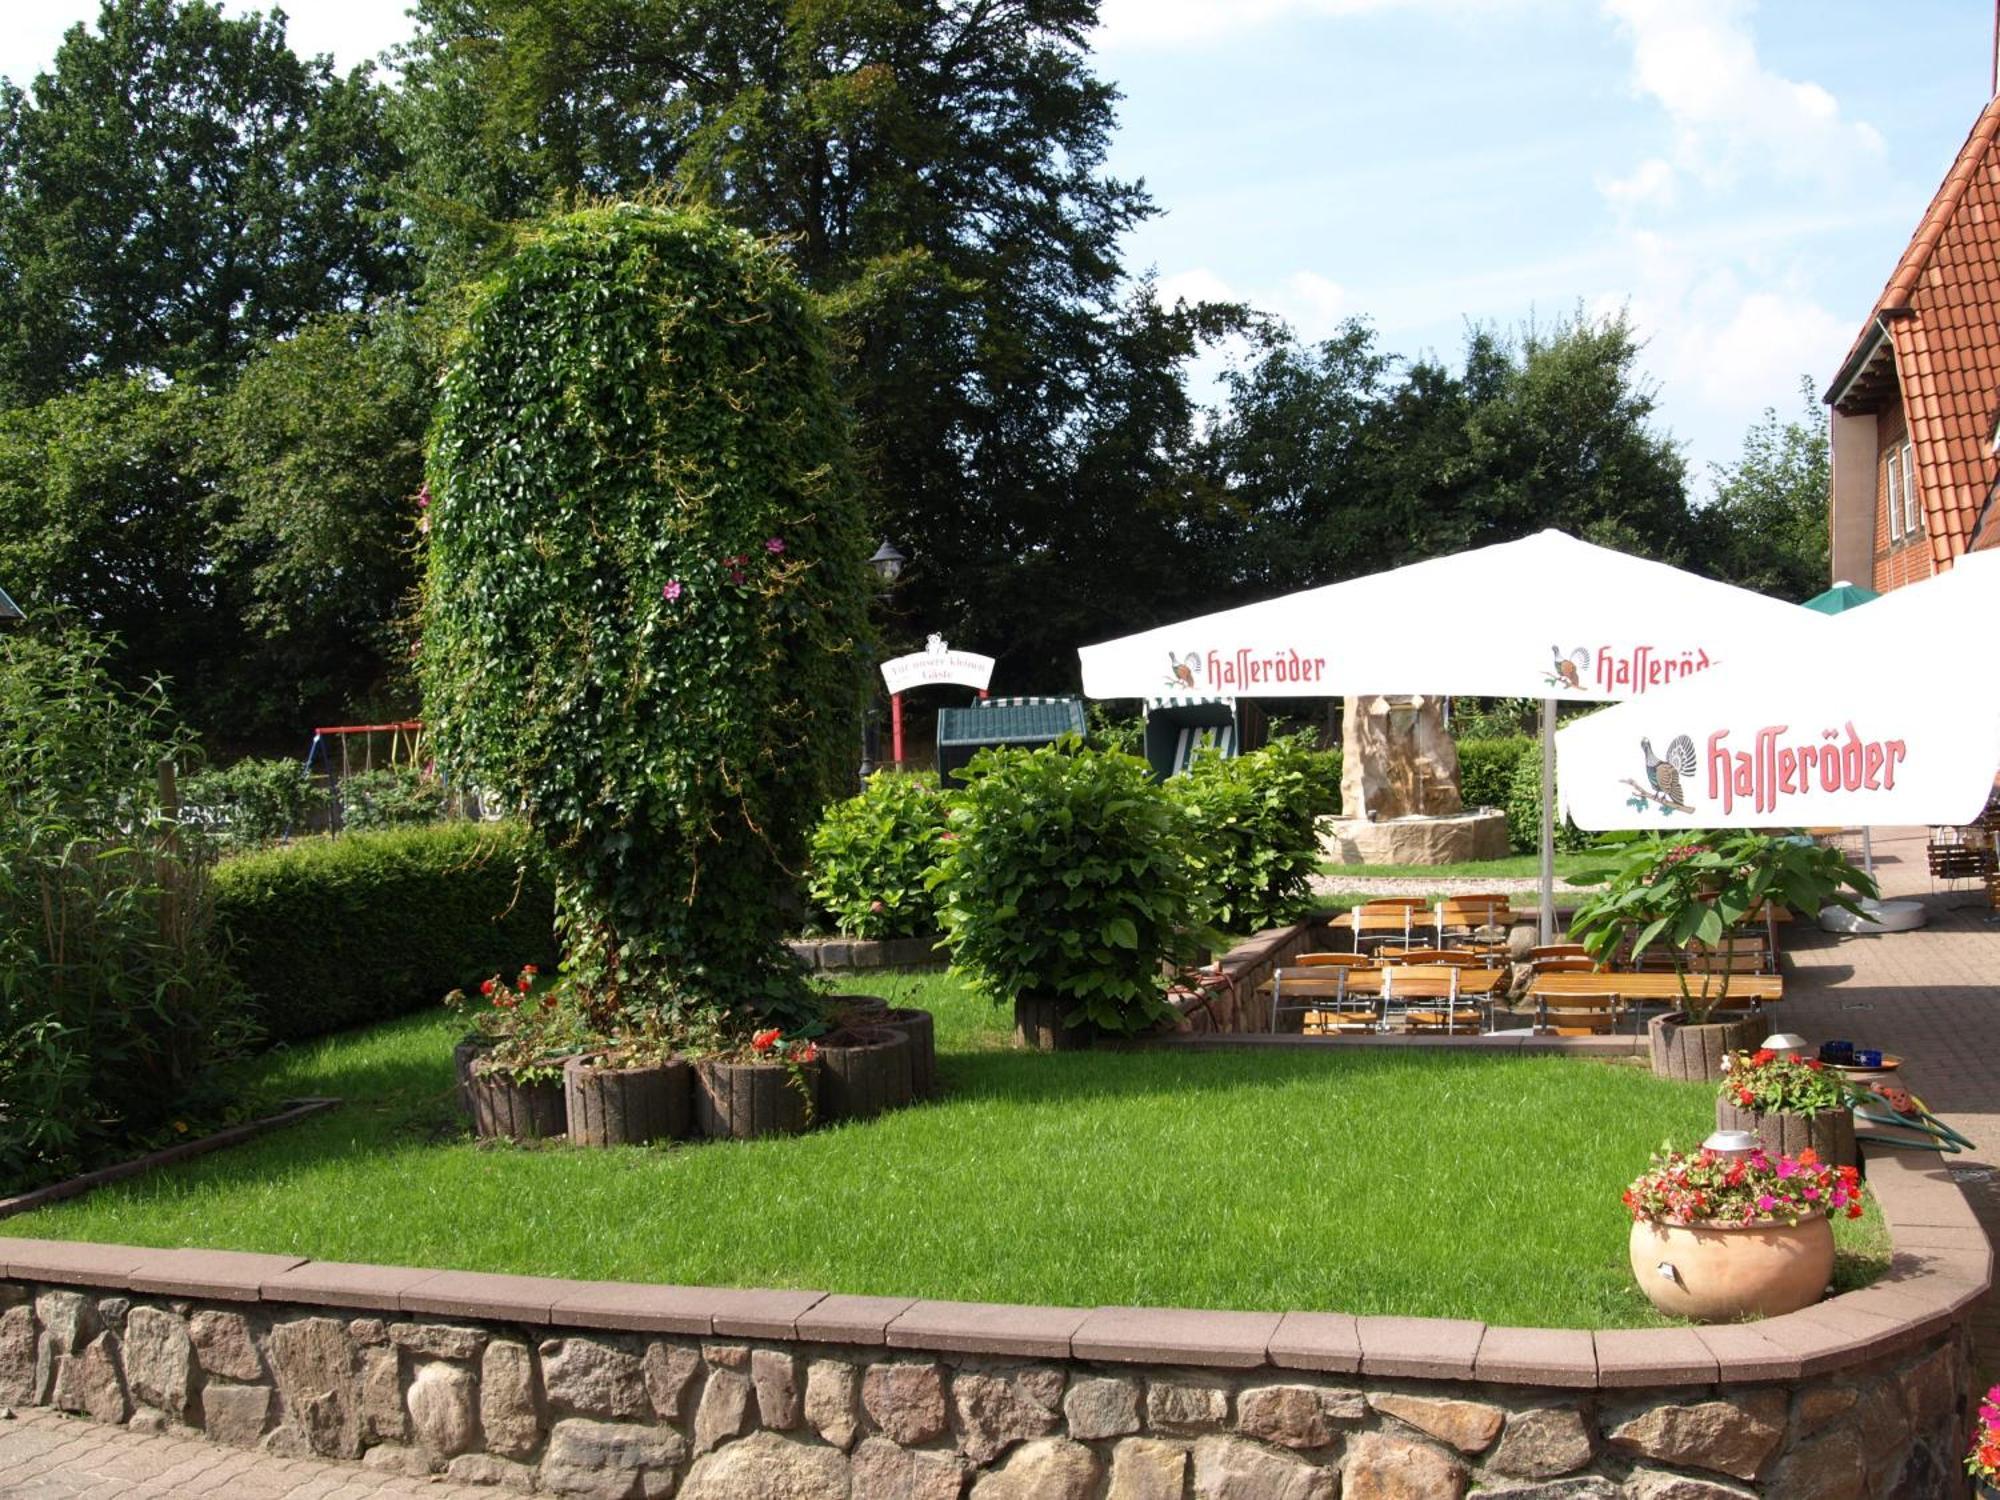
1514 866
1392 1181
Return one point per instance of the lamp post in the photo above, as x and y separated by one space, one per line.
887 565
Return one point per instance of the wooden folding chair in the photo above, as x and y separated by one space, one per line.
1336 1010
1576 1015
1483 915
1331 961
1391 919
1428 999
1457 958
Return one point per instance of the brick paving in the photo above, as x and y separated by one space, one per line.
45 1455
1932 996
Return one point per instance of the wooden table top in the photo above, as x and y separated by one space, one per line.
1655 985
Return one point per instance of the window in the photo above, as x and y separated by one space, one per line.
1913 511
1892 479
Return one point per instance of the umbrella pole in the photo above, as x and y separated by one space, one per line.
1548 821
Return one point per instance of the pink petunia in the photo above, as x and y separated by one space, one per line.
670 590
1765 1202
775 545
1787 1167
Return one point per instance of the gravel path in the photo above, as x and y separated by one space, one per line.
1418 885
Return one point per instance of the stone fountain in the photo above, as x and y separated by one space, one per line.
1399 790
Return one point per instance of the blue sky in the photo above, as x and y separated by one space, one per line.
1741 177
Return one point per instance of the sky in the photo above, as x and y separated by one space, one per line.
1740 178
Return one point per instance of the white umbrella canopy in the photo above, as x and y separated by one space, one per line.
1545 617
1883 721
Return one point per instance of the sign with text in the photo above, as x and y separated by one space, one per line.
937 665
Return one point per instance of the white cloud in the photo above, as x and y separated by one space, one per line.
1313 304
1731 115
1651 184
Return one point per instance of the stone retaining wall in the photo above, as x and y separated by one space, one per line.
842 954
608 1389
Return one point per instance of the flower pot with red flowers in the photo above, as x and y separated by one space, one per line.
1722 1236
1983 1461
514 1087
1791 1104
492 1019
633 1092
865 1071
1687 896
767 1086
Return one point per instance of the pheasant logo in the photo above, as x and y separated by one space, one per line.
1668 777
1182 670
1567 667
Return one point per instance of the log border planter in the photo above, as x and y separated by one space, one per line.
1039 1025
746 1101
505 1110
469 1048
864 1072
612 1105
601 1387
921 1028
1693 1053
1830 1133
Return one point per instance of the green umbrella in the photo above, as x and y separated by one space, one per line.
1841 597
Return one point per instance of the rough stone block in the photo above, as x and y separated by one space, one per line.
775 1374
613 1461
770 1466
313 1361
379 1396
1469 1426
1298 1416
1657 1484
1147 1469
1735 1436
225 1346
159 1360
510 1409
17 1356
1544 1441
486 1469
1046 1469
1101 1407
1380 1466
669 1369
1231 1468
833 1401
992 1412
1181 1406
438 1340
1829 1467
724 1412
882 1471
235 1414
441 1402
68 1321
591 1378
906 1400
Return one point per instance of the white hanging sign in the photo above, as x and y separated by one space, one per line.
937 665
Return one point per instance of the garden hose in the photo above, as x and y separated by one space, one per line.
1905 1111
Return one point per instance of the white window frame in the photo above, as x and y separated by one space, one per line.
1913 510
1892 471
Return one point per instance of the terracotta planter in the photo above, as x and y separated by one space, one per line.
1722 1273
505 1110
1695 1053
922 1032
1830 1133
611 1105
1039 1025
743 1101
867 1071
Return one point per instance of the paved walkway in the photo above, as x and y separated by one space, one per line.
45 1455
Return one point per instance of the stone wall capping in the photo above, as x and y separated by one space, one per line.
987 1328
640 1309
1742 1353
336 1283
1924 1306
848 1319
1537 1356
761 1314
223 1275
1174 1335
1316 1341
1831 1336
486 1294
1427 1348
71 1262
1653 1356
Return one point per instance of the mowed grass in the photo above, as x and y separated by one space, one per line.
1391 1181
1513 867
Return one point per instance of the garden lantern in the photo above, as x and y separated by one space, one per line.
887 562
1787 1044
1730 1143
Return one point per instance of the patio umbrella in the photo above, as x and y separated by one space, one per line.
1880 723
1842 597
1546 617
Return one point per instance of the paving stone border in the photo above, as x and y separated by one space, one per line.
619 1390
837 955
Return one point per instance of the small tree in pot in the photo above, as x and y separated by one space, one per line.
1687 893
1063 889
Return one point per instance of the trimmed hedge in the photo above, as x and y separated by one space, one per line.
329 933
1486 769
1524 812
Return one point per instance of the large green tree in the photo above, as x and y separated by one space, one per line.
1767 525
177 188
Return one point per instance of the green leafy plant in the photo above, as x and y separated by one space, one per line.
1773 1083
1064 876
872 853
253 801
1486 772
390 798
645 614
117 1017
1253 831
1689 890
1524 810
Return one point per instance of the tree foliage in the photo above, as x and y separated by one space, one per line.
645 613
177 188
1766 528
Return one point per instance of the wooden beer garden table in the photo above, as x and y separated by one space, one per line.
1655 985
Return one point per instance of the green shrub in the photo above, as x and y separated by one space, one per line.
116 1016
1124 732
1064 877
645 614
333 932
1253 831
872 853
391 798
1524 811
1486 769
254 801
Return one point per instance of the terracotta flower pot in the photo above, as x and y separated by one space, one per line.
611 1105
867 1071
505 1110
1039 1024
1694 1053
1717 1273
1830 1133
744 1101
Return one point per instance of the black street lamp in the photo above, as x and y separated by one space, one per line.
887 564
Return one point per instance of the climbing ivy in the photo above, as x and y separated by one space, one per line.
646 600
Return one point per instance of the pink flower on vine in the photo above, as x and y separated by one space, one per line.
423 497
775 545
670 590
737 575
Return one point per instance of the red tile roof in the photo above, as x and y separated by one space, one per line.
1941 314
